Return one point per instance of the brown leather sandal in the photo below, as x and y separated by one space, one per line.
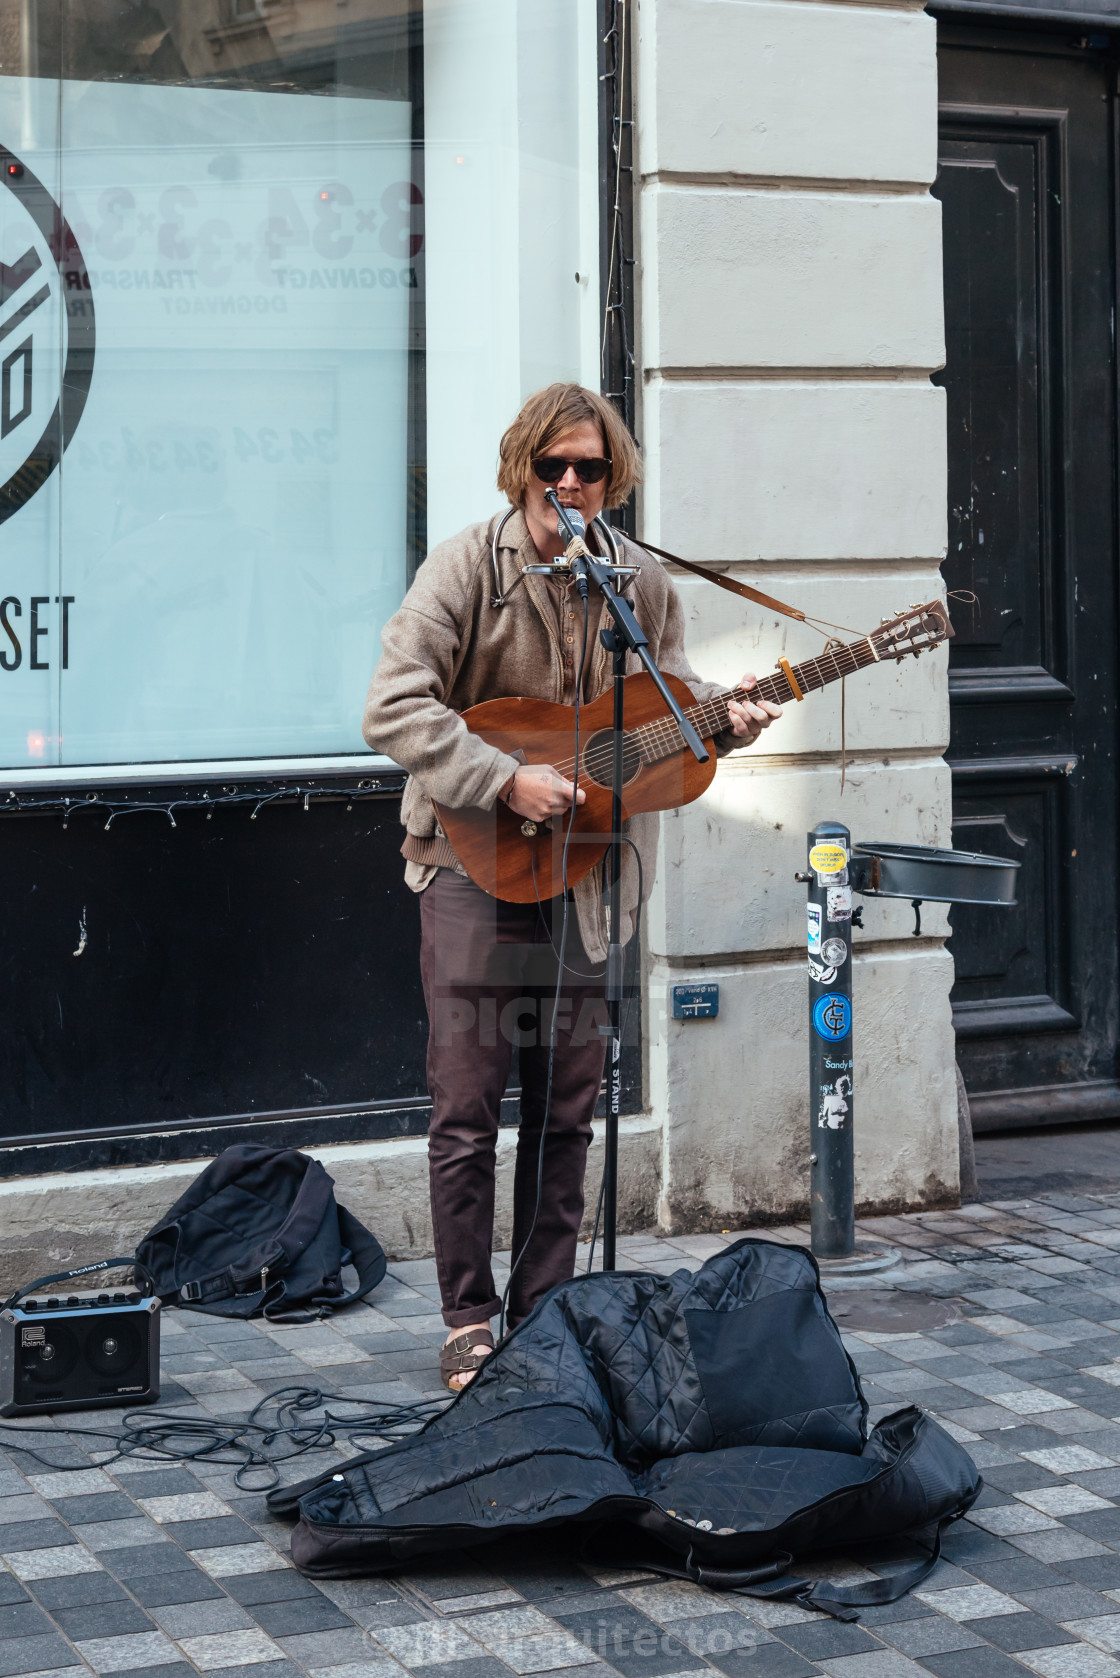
459 1356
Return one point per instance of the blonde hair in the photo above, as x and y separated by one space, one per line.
550 415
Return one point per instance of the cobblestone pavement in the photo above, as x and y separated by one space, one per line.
144 1571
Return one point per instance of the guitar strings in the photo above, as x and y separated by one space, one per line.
661 738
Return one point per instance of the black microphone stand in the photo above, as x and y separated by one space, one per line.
625 636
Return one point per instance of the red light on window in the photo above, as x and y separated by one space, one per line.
325 196
15 169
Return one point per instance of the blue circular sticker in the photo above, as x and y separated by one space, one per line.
832 1016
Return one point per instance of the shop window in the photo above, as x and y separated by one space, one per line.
273 278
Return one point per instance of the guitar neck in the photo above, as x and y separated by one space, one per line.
711 717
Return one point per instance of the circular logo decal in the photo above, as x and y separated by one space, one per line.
832 1016
46 334
834 952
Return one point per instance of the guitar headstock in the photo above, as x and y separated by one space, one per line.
914 631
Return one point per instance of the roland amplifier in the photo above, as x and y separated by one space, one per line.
78 1351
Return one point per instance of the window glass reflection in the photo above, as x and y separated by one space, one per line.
307 256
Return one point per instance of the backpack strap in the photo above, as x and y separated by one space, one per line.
365 1255
843 1602
275 1254
368 1260
769 1580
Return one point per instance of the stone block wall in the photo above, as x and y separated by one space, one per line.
790 314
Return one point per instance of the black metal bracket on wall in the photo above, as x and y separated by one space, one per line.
616 184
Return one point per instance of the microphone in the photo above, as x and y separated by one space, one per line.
571 524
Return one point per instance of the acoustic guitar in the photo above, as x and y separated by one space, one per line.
520 861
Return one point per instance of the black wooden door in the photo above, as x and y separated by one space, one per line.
1026 183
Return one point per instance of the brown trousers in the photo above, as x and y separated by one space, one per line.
489 974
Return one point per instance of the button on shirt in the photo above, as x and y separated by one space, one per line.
569 623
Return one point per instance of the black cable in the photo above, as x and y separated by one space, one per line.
546 1115
19 803
255 1444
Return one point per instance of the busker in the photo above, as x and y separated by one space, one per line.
489 968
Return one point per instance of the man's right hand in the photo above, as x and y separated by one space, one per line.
539 792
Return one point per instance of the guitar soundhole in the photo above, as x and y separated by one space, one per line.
598 758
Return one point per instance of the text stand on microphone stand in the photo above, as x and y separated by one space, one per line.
626 636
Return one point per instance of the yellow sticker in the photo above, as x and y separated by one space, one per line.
828 859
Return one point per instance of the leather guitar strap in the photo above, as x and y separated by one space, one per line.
729 583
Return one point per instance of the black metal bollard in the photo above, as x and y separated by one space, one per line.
831 1062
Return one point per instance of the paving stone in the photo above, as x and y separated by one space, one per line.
319 1648
1104 1632
97 1506
186 1584
23 1619
1099 1573
970 1602
117 1618
268 1669
33 1535
1069 1602
135 1560
119 1654
36 1654
159 1482
1021 1631
51 1562
11 1590
1076 1661
483 1666
200 1619
933 1634
231 1559
219 1531
1021 1574
824 1639
230 1649
1058 1545
300 1616
25 1507
251 1589
984 1662
771 1660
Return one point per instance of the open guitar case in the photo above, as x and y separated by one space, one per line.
708 1426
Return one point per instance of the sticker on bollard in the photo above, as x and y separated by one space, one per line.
828 859
832 1016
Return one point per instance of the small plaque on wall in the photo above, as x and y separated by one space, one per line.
695 1002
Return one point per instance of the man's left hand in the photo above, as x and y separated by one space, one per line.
750 716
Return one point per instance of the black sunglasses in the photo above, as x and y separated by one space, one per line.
550 469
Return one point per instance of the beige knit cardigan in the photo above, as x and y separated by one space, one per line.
447 649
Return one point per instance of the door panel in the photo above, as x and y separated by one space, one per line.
1025 182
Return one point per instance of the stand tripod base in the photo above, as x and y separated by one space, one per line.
868 1259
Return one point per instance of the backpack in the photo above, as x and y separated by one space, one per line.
708 1426
259 1233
